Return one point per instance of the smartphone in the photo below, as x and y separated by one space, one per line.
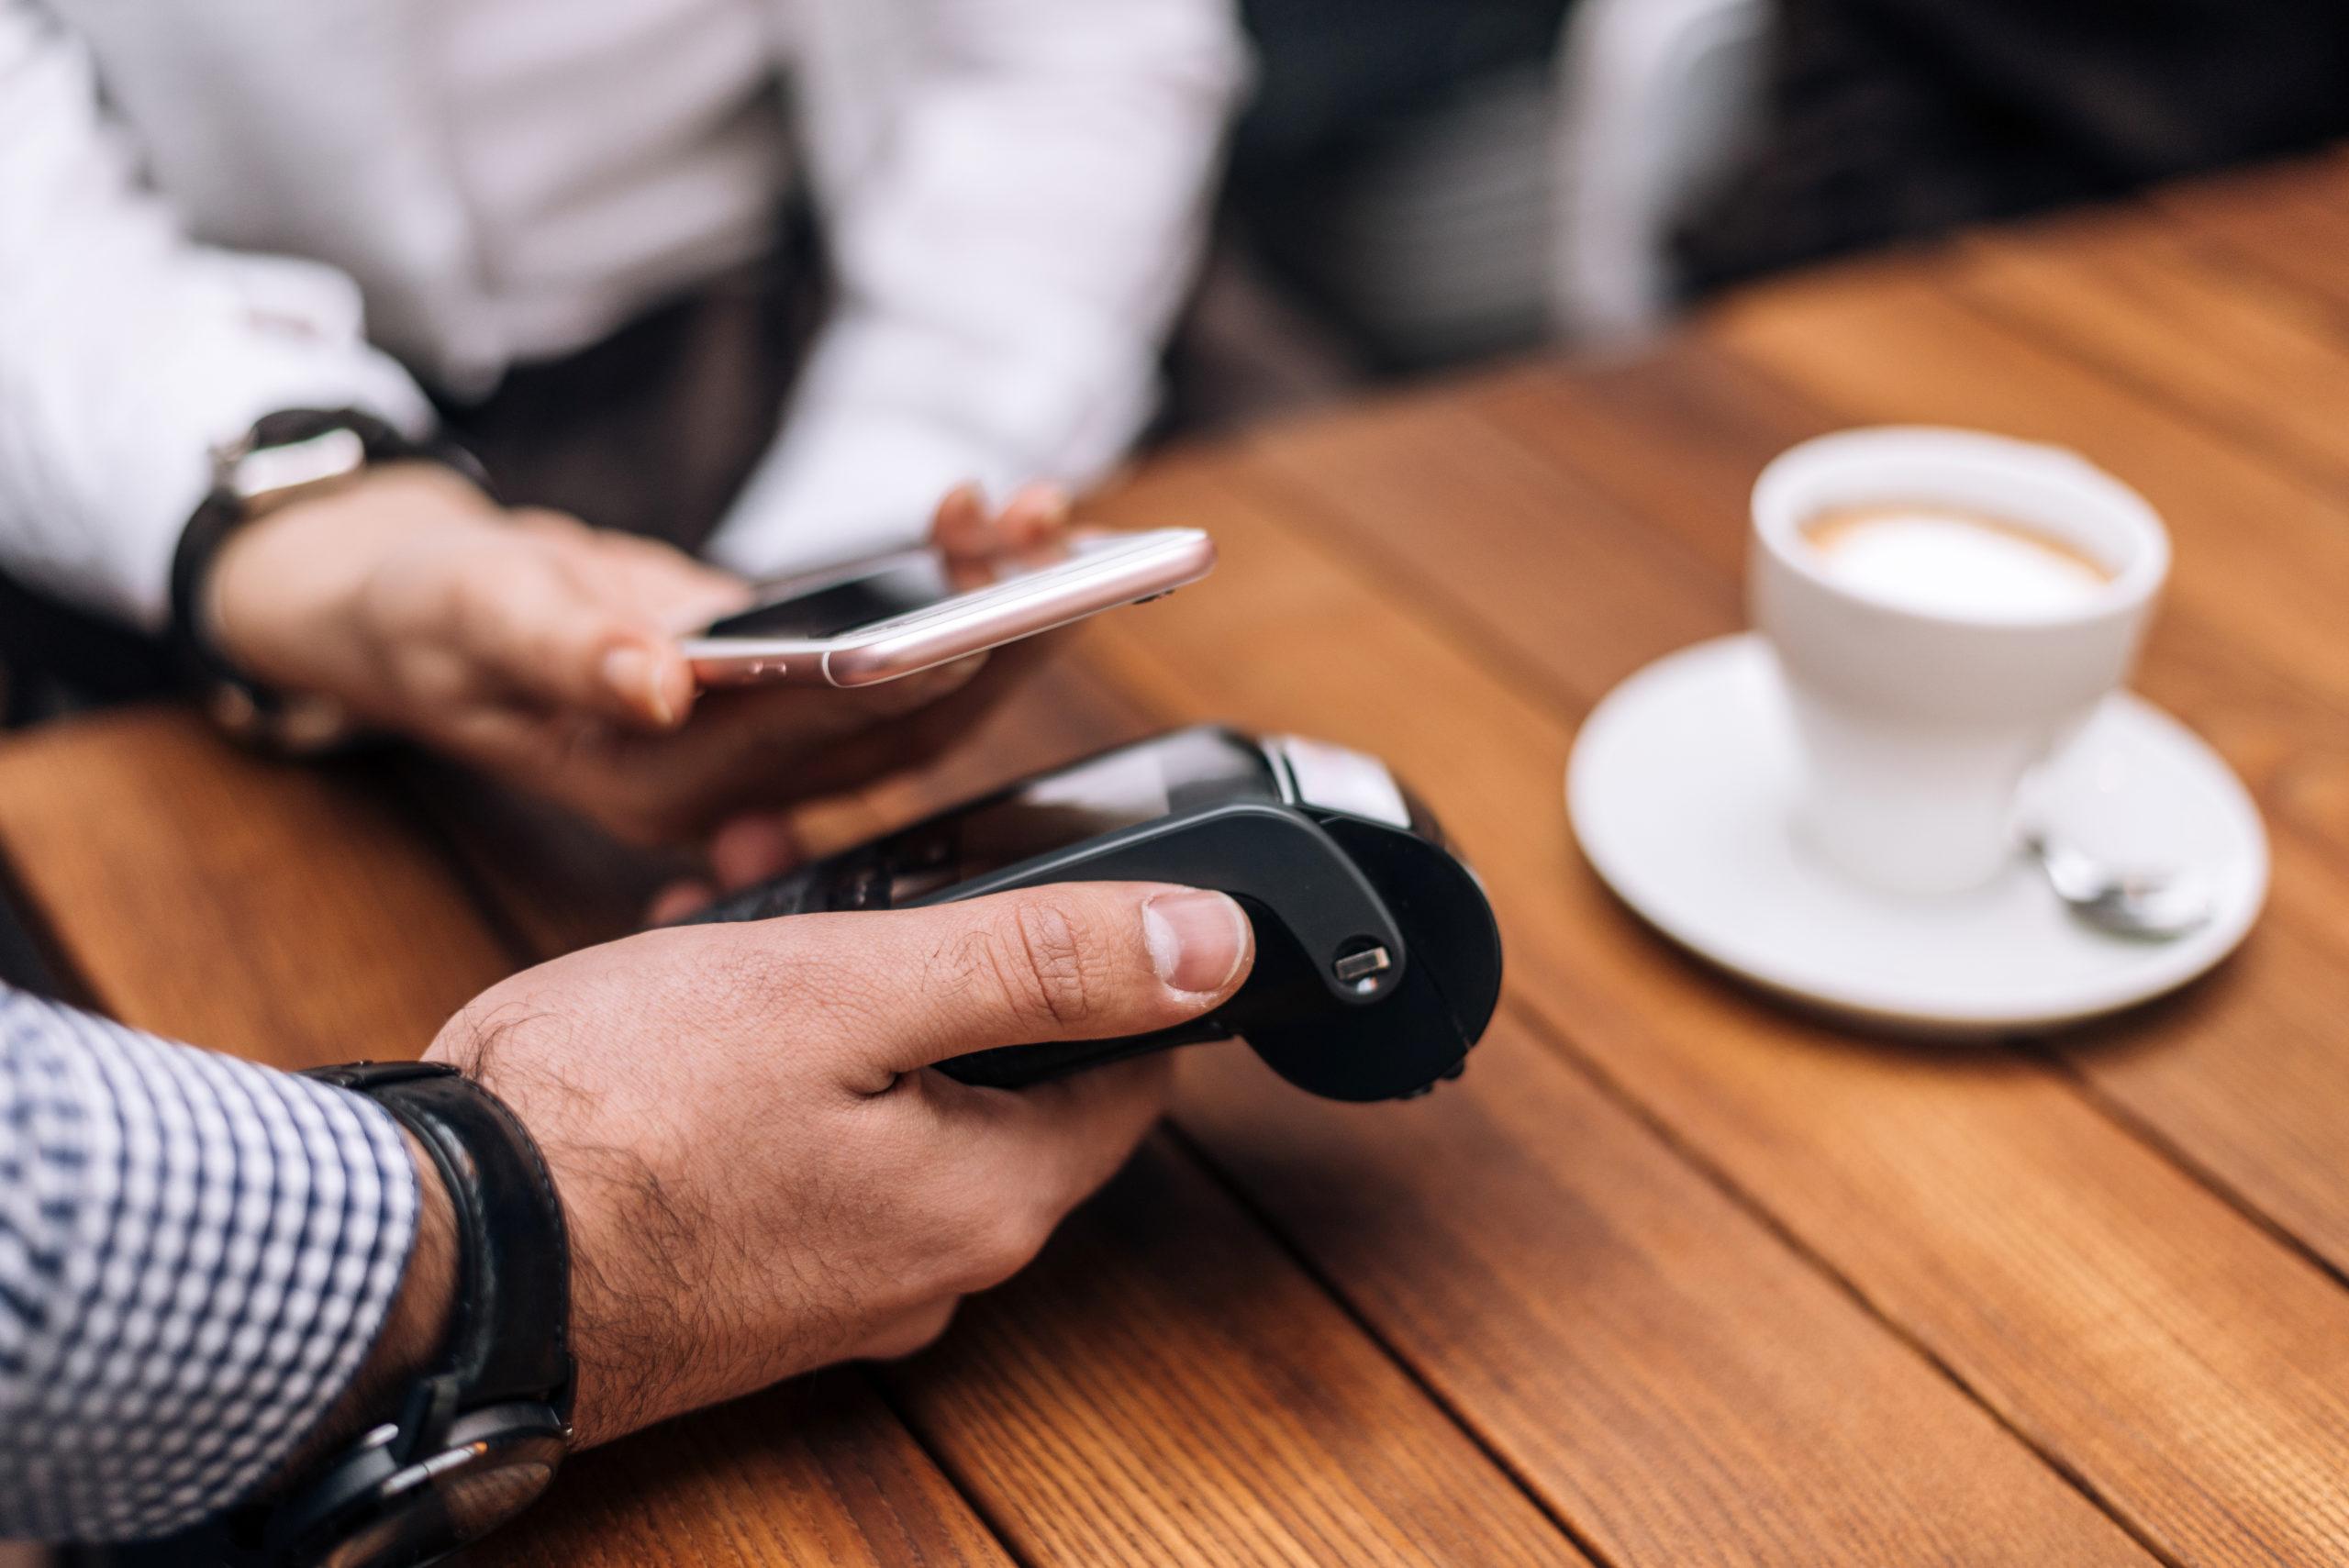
879 619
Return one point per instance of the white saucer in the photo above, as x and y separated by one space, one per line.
1681 789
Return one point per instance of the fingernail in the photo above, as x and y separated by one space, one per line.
628 671
1196 939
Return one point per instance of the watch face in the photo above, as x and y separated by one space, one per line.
454 1497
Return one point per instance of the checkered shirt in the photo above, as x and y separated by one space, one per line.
196 1254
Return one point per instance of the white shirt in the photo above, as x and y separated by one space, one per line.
208 212
610 152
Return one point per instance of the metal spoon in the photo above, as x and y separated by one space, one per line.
2154 905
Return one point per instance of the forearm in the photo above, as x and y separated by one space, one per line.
196 1258
127 351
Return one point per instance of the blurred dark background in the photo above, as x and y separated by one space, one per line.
1419 185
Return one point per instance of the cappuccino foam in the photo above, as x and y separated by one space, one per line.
1957 562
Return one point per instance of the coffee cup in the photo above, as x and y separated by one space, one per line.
1947 608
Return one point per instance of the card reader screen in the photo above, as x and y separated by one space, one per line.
1123 789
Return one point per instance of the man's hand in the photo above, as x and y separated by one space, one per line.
546 652
760 1175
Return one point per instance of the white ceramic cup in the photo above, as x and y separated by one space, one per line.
1918 727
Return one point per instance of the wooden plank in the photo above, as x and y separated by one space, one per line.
273 911
1165 1384
1659 594
1626 1335
552 882
2130 292
296 917
2286 221
815 1472
2184 1365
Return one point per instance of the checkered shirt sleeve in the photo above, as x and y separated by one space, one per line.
196 1254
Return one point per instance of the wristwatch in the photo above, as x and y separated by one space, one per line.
285 455
478 1440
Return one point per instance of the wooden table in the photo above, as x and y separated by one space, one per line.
1672 1276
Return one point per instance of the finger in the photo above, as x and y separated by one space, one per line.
754 749
678 900
1036 1154
936 708
752 848
1075 1133
960 527
759 719
507 739
762 747
651 680
648 585
546 523
1034 516
662 583
540 634
1074 961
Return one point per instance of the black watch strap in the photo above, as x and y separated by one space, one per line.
509 1338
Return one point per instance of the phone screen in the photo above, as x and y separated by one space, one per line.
914 580
819 605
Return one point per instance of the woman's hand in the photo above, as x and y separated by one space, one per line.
546 652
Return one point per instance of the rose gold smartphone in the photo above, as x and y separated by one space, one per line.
876 620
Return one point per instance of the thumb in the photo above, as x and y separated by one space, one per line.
545 638
1080 961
